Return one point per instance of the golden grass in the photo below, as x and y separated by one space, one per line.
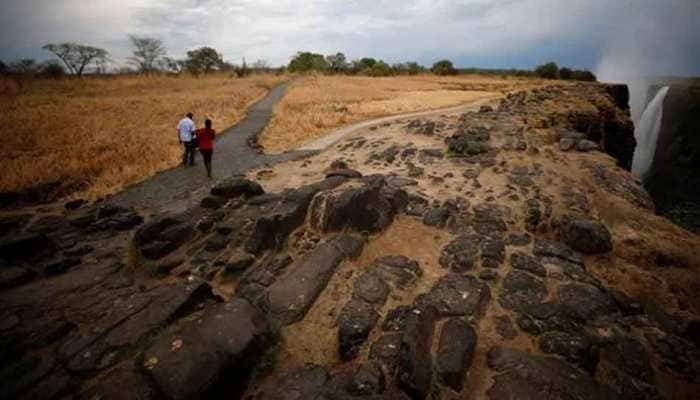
97 135
314 105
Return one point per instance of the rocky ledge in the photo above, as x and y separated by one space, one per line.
477 255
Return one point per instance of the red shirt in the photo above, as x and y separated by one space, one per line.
205 137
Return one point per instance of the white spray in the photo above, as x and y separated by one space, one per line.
647 134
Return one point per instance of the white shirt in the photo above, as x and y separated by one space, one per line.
186 129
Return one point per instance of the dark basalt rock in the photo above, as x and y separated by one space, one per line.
237 187
457 295
355 322
308 382
583 302
395 319
415 372
525 262
371 288
574 347
534 377
521 290
368 207
436 216
367 380
386 351
455 352
289 298
586 236
226 341
519 239
533 215
548 248
488 220
11 276
24 247
493 252
625 366
459 255
398 270
161 237
344 172
212 202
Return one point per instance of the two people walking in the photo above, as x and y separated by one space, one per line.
192 138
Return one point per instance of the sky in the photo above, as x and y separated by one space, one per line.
615 38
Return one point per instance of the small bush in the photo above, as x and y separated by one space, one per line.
565 73
443 67
53 70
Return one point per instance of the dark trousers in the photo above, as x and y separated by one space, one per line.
188 155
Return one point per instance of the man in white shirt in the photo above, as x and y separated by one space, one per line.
185 133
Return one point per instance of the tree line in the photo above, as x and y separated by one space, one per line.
149 55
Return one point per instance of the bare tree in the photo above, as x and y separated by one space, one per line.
147 53
77 56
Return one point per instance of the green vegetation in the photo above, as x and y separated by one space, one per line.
551 70
443 67
203 60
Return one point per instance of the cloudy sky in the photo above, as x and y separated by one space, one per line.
612 37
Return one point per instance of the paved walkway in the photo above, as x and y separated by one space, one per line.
178 188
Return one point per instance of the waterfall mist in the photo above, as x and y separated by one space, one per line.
646 132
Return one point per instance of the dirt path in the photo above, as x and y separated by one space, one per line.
179 188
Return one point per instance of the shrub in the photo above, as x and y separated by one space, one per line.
565 73
583 75
3 68
548 71
443 67
380 68
52 69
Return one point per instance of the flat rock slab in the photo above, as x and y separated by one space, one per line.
200 359
457 295
289 298
526 376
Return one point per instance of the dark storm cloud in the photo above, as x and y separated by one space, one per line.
611 36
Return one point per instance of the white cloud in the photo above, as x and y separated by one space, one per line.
274 30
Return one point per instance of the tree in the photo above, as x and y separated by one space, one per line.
565 73
242 71
77 56
305 61
3 68
147 53
549 70
204 59
337 62
260 65
24 66
443 67
407 68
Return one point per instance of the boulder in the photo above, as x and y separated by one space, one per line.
344 172
237 187
459 255
566 144
364 207
586 235
586 145
355 323
367 380
521 290
161 237
455 352
386 351
197 360
436 216
415 368
574 347
290 297
535 377
457 295
24 246
493 252
525 262
400 271
553 249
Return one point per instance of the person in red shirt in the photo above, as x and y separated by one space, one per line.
205 137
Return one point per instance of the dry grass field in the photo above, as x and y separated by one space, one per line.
315 104
96 135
